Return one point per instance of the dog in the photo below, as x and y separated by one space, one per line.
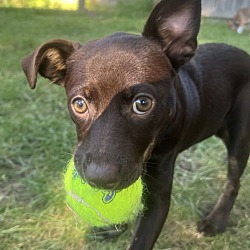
139 100
240 21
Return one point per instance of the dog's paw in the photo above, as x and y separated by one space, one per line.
211 226
106 233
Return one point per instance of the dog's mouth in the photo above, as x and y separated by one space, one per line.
107 176
122 184
117 186
129 181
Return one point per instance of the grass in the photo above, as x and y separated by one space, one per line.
37 139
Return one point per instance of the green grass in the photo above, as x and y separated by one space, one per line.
37 138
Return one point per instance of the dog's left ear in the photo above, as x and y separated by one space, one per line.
49 60
175 24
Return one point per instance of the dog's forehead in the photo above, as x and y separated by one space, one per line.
119 61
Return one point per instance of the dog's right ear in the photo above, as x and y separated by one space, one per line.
175 25
49 60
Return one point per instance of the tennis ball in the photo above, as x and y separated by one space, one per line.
101 208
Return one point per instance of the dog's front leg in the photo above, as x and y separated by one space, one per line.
158 180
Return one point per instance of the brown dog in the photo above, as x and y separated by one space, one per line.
139 100
240 20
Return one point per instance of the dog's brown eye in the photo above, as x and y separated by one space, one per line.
142 105
79 105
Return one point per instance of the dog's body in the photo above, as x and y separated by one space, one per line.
134 113
240 21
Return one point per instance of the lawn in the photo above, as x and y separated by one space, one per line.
37 139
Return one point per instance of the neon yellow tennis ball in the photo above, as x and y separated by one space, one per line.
100 208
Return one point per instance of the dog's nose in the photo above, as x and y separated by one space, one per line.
102 176
105 186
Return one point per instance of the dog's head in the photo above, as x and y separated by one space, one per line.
232 24
120 89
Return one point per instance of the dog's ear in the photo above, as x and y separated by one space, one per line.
49 60
175 25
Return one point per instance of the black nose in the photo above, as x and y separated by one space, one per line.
103 185
103 176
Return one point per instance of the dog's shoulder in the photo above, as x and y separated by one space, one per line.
221 55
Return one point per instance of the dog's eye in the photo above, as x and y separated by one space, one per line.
79 105
142 105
